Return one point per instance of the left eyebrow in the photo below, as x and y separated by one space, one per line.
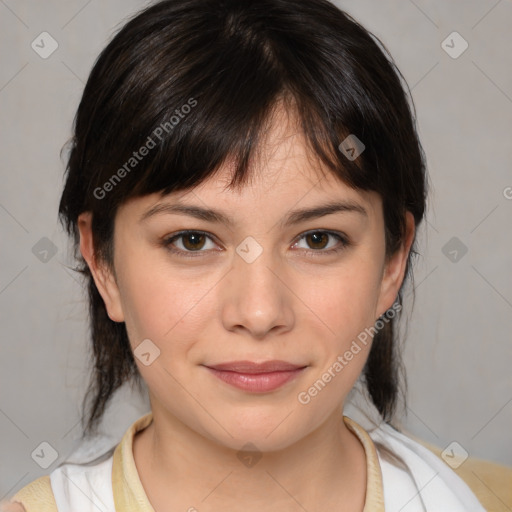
294 217
301 215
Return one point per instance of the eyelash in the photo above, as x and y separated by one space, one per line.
167 243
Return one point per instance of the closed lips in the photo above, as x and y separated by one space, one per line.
249 367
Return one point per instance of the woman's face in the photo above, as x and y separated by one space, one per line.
276 282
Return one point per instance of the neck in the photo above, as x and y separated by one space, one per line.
178 466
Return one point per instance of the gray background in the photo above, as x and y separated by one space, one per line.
458 349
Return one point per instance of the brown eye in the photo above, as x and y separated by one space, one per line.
189 242
322 242
193 241
317 240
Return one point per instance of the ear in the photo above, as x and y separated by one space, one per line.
102 275
394 269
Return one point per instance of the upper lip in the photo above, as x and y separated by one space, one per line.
252 367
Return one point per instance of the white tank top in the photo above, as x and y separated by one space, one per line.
427 483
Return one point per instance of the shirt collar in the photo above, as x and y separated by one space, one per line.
129 495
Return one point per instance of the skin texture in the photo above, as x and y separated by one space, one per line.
11 507
295 303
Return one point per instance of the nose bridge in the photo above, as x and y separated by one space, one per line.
257 299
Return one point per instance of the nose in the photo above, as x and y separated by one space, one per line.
256 298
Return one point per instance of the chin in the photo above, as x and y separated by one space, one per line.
266 434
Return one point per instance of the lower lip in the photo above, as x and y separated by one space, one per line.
256 382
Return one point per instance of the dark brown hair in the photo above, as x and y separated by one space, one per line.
199 78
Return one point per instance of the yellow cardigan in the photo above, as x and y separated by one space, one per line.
491 483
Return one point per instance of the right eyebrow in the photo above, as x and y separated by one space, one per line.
193 211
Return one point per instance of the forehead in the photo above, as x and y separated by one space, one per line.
283 158
284 172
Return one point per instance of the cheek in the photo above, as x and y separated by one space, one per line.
166 306
346 301
341 308
345 309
